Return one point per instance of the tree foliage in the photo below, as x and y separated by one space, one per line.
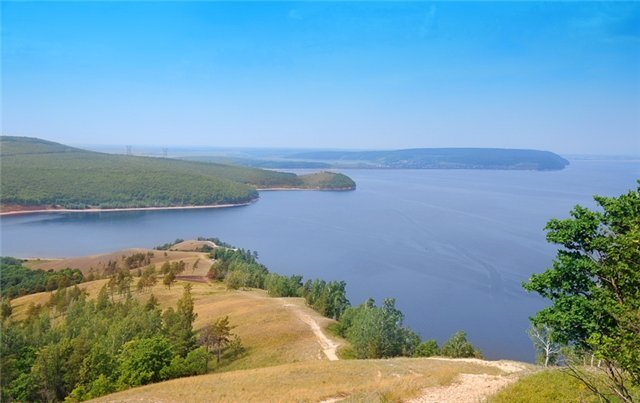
148 279
377 332
179 324
283 286
142 360
97 347
240 268
18 280
169 245
594 286
459 347
41 173
328 298
427 348
217 336
245 262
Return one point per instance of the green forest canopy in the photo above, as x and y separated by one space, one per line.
37 172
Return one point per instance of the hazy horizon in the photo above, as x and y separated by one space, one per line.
146 149
562 77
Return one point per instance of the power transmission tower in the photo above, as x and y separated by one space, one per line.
165 151
128 150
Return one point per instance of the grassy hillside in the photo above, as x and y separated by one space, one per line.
41 173
546 386
443 158
97 263
284 358
356 380
270 328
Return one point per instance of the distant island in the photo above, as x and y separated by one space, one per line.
416 158
42 175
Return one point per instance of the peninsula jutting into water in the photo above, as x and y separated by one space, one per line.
40 175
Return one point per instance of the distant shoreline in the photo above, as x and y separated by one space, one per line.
108 210
22 210
346 189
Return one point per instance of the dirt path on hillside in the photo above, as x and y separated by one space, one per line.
329 347
472 388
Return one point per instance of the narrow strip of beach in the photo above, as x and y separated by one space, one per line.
109 210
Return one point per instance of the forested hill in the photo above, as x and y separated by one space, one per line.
41 173
443 158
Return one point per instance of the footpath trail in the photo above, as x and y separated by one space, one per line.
329 347
466 388
472 388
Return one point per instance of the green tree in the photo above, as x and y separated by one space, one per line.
49 372
102 301
235 279
85 353
142 360
195 363
179 324
169 279
5 309
148 278
283 286
330 299
152 303
120 282
593 286
377 332
459 347
427 348
216 336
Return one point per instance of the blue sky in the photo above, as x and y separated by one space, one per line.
558 76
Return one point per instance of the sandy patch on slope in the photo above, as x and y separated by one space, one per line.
471 388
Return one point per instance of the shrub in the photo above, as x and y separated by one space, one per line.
427 348
459 347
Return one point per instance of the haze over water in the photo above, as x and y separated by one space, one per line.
452 246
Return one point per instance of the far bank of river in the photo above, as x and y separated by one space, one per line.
21 210
112 210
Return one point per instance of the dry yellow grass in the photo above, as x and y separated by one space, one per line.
354 380
98 262
271 332
192 245
284 360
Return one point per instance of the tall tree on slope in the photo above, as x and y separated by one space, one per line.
594 286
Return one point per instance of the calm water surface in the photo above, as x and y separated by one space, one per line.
452 246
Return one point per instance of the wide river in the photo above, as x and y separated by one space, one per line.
452 246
